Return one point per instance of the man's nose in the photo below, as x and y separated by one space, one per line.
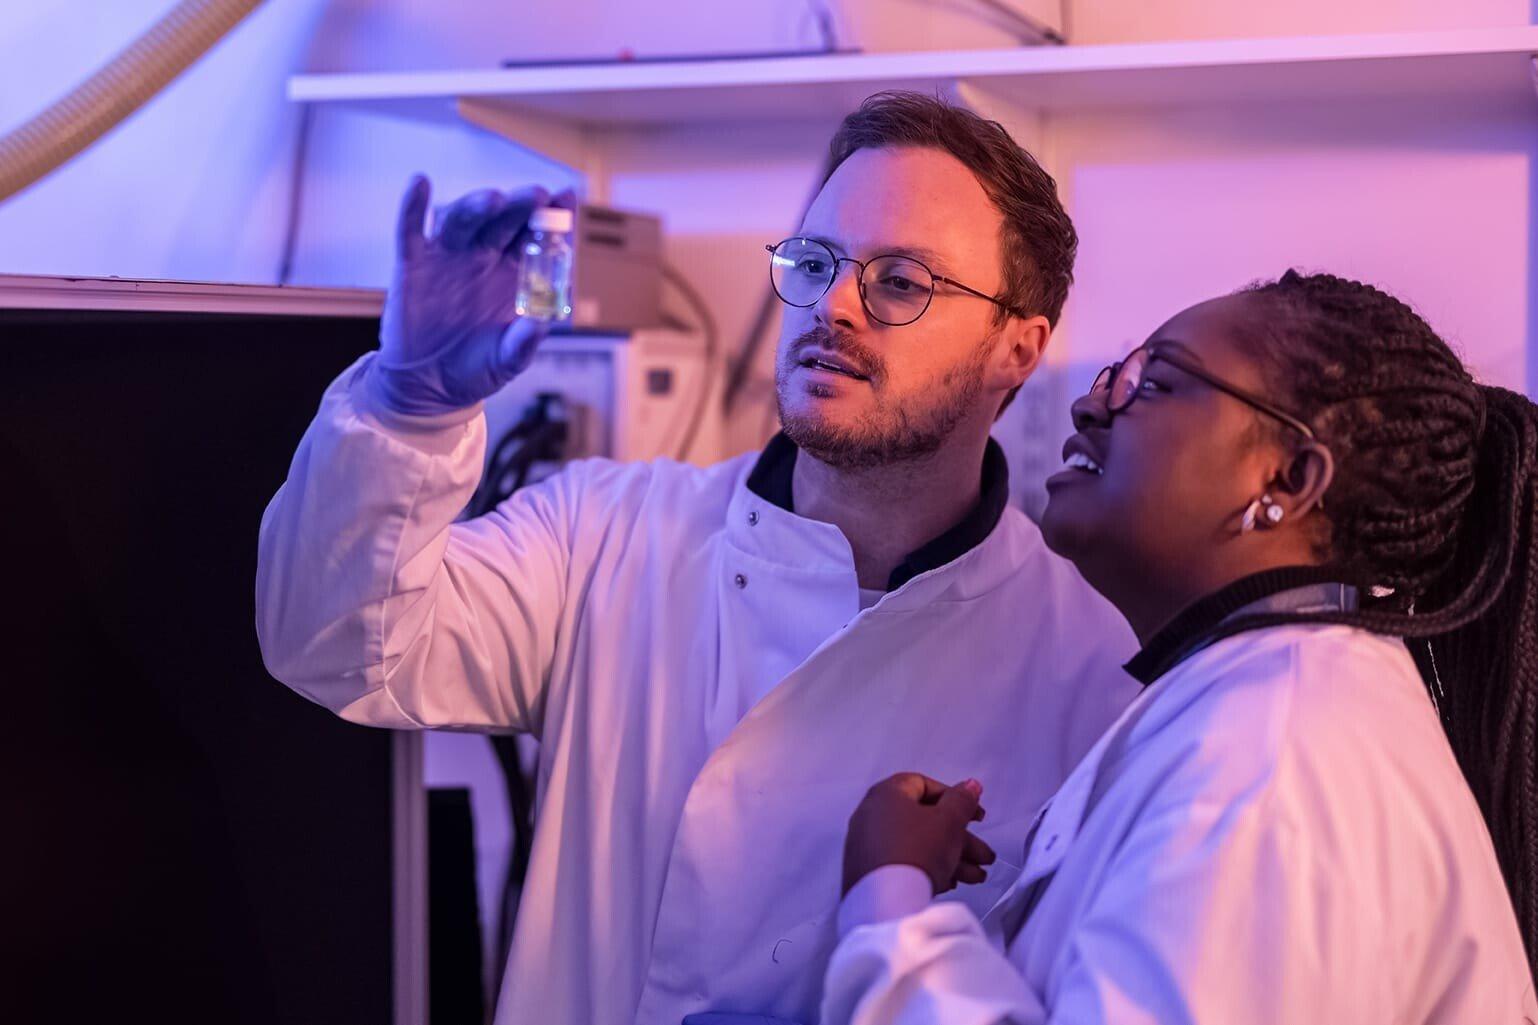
1089 410
841 303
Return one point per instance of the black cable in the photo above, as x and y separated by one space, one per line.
707 325
295 194
484 499
1034 30
824 19
539 436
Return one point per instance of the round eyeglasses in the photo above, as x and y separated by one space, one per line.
895 290
1122 383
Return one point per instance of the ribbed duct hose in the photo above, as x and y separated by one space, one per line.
101 102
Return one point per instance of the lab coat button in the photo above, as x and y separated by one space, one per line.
740 580
753 518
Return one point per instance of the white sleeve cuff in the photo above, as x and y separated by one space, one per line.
889 892
438 435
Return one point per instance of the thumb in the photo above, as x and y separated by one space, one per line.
916 787
960 801
516 348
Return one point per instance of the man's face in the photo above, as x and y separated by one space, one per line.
912 385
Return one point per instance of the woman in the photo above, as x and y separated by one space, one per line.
1322 807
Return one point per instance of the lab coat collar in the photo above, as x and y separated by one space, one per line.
1291 589
801 552
772 475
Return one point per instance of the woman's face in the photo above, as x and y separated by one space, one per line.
1177 468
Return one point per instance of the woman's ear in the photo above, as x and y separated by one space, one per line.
1307 478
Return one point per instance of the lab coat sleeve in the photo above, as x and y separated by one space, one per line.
935 966
1208 913
373 602
889 892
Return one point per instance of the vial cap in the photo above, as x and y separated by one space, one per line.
551 218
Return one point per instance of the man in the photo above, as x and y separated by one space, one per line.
717 662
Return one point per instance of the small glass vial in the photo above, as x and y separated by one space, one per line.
544 272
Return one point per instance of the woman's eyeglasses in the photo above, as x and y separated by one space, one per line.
1123 383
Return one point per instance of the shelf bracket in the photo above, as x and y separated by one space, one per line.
549 138
1023 122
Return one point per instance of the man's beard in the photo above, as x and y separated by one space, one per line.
888 434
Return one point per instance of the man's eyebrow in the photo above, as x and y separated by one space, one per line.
925 256
922 254
836 247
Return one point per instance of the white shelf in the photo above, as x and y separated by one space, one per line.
1494 64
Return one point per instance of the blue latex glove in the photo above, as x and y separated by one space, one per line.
449 337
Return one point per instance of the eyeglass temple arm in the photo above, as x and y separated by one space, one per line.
1241 395
981 295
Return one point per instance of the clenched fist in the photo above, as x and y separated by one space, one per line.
910 819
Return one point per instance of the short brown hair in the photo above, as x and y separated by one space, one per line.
1039 241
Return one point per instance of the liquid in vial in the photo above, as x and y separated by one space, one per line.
544 272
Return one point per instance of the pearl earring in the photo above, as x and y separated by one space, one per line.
1264 504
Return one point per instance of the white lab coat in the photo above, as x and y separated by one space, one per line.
1275 833
711 702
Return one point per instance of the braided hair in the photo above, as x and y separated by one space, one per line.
1434 507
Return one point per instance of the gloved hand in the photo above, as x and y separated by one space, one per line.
449 337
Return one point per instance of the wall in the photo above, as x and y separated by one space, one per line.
1435 206
1126 21
197 184
192 186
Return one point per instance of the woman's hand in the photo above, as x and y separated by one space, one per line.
910 819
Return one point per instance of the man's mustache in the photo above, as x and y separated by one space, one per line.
841 345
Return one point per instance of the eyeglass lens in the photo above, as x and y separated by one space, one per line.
894 289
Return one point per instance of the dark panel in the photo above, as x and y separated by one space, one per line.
454 925
196 842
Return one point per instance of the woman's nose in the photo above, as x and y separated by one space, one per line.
1089 410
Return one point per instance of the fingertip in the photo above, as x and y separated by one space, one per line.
413 211
419 190
970 875
909 784
534 196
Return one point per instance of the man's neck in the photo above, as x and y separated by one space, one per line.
888 512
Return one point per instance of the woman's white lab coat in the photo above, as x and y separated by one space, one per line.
1275 832
710 700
